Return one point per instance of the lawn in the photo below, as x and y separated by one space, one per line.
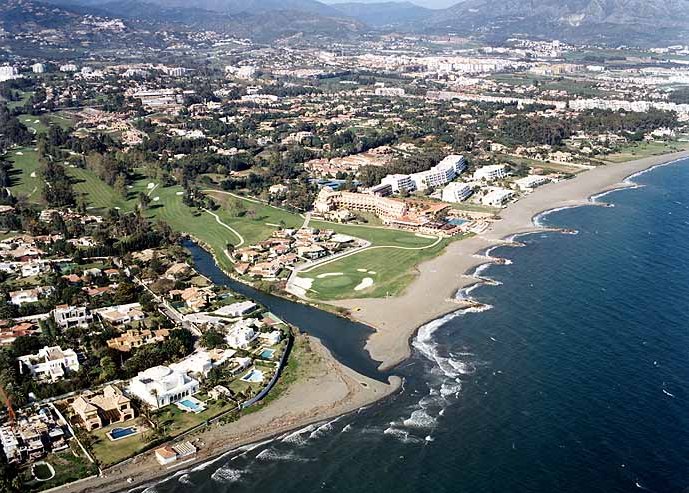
254 220
69 466
24 174
171 418
388 270
99 195
645 149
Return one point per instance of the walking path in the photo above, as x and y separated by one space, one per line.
227 226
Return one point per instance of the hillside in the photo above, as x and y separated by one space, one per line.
610 21
385 13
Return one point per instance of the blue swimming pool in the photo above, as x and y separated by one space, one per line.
117 433
254 376
192 405
457 221
267 353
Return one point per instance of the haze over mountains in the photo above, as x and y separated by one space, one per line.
606 21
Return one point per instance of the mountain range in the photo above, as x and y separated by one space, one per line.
602 21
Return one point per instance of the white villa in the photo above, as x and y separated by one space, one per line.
162 385
497 197
201 362
67 316
241 334
50 363
236 309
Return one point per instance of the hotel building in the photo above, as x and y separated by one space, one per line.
456 192
489 173
385 208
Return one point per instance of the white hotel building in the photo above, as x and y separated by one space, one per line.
440 174
489 173
456 192
399 183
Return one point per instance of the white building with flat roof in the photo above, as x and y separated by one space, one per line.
497 197
49 363
490 173
241 334
235 309
38 68
399 183
67 316
530 182
162 385
456 192
440 174
8 72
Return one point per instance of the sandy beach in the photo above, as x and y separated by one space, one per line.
324 390
432 294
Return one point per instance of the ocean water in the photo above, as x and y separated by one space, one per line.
575 379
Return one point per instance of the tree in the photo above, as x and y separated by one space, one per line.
212 339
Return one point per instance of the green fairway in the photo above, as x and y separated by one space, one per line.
254 220
25 179
372 273
99 195
641 150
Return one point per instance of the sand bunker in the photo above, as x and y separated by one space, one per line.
33 174
362 270
329 274
366 282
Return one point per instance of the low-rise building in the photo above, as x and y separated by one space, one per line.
98 409
67 316
497 197
135 338
236 309
51 363
242 334
161 385
121 314
530 182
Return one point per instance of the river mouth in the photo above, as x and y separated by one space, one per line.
345 339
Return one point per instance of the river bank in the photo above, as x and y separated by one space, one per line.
433 293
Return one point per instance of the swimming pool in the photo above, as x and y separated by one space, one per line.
192 405
457 221
267 353
254 376
118 433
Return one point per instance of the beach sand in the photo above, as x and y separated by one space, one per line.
325 389
432 294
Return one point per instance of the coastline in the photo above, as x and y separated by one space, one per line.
433 294
327 391
335 389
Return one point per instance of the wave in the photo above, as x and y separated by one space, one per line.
226 474
420 419
270 454
297 437
185 479
402 435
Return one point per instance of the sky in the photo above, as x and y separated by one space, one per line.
433 4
